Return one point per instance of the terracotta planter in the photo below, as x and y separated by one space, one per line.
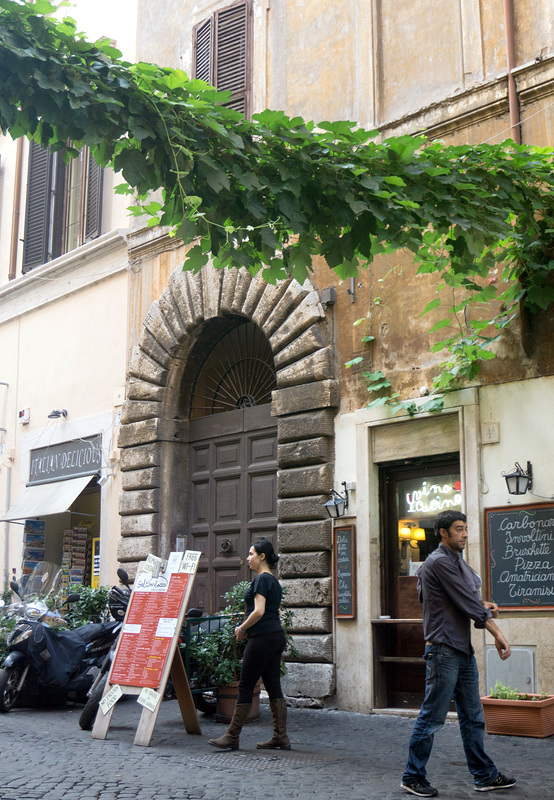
227 699
520 717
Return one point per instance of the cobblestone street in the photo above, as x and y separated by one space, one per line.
336 754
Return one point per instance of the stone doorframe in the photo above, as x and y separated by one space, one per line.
154 441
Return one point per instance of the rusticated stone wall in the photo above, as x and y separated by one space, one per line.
154 435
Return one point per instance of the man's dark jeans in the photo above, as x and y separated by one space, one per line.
451 674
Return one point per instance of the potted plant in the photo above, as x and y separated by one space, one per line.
219 654
513 713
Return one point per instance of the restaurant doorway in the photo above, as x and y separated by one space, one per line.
412 495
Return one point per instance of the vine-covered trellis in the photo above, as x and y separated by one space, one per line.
272 192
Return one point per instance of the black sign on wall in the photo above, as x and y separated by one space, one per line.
344 564
66 460
520 556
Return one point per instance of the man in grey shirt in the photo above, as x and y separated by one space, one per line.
450 592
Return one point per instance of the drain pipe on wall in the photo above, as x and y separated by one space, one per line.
513 102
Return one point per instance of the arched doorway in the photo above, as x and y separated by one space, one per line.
192 314
232 492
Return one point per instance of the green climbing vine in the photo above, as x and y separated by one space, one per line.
270 193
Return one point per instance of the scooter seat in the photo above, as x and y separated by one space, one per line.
89 632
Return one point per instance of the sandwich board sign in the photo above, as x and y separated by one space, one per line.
148 647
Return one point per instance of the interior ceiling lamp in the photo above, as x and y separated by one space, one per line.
409 532
337 504
518 481
57 413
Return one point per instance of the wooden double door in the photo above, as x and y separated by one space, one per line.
232 497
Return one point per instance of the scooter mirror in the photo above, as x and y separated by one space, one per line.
73 598
194 612
123 577
14 586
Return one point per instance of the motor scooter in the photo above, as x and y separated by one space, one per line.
47 665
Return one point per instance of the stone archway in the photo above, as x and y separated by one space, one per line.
154 439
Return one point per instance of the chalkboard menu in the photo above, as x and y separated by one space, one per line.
344 575
520 556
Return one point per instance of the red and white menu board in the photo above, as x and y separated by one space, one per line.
151 622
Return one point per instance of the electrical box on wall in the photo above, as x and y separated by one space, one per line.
518 671
24 416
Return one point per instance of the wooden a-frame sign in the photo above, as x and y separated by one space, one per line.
148 648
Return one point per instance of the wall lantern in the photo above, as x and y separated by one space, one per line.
57 413
518 481
409 532
337 504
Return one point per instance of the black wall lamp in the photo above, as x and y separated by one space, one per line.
518 481
57 413
337 504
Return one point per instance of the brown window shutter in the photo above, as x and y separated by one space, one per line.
203 47
37 212
93 199
232 54
59 193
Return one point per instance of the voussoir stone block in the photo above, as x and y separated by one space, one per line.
149 478
172 315
305 451
309 312
177 285
254 295
302 536
244 279
268 301
141 390
141 457
194 285
144 367
136 548
304 481
290 301
137 410
155 322
311 620
150 345
140 525
310 396
314 648
308 591
306 426
318 366
315 338
211 289
142 501
309 680
228 289
314 564
294 509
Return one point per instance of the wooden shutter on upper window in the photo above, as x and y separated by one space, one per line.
37 212
232 49
93 199
203 52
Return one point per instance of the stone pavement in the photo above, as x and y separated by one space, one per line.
336 754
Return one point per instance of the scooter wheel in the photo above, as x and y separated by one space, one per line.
88 714
9 692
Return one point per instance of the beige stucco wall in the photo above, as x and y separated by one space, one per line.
69 354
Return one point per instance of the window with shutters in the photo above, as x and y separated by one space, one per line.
63 205
223 53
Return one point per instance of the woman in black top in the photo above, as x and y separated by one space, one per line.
262 656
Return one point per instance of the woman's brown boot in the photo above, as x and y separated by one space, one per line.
230 739
279 740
